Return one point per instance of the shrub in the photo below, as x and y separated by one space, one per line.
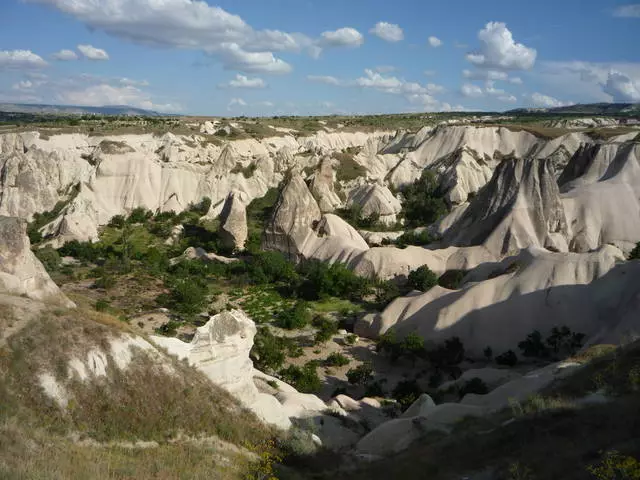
117 221
475 385
268 352
413 346
271 267
294 318
534 346
413 238
351 339
336 360
388 344
422 278
105 281
423 203
202 207
635 253
139 215
305 379
102 305
49 258
406 392
326 329
449 354
186 295
385 291
374 389
563 341
322 280
615 466
361 374
508 358
451 279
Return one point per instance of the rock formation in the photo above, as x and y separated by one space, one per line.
322 187
233 222
375 200
21 273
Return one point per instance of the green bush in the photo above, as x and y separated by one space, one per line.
475 385
268 351
139 215
326 329
322 280
562 341
336 360
534 346
361 374
423 203
508 358
106 282
413 238
351 339
201 207
294 318
50 258
186 295
406 392
118 221
385 291
615 466
271 267
305 379
451 279
374 389
422 278
102 305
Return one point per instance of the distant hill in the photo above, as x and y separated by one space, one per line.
586 109
76 110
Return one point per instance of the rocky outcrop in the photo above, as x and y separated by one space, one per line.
21 273
294 216
519 207
375 200
322 186
233 222
504 302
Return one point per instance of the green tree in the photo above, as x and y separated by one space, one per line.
422 278
268 351
508 358
294 318
361 374
423 203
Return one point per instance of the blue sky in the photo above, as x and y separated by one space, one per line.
273 57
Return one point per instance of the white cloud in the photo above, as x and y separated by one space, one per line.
65 55
242 81
542 100
105 94
499 51
196 25
395 85
622 88
236 102
594 81
327 79
343 37
508 98
485 75
515 80
434 41
93 53
20 59
471 90
632 11
388 32
23 85
133 83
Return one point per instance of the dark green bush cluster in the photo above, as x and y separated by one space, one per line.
305 379
294 318
475 385
50 258
444 357
423 202
336 360
268 352
422 278
326 329
406 392
508 358
413 238
321 280
561 342
361 374
451 279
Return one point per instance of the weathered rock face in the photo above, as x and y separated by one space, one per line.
294 216
21 273
233 222
375 200
519 207
504 302
322 187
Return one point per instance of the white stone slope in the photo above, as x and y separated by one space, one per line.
21 273
536 290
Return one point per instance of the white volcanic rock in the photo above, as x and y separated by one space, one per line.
520 207
375 200
21 273
233 222
293 219
322 187
536 290
193 253
587 122
420 408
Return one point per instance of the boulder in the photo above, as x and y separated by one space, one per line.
21 273
420 408
233 222
375 200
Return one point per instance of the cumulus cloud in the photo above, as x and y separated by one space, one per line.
236 102
20 59
434 41
105 94
471 90
622 88
541 100
93 53
242 81
65 55
629 11
196 25
23 85
388 32
499 51
327 79
343 37
508 98
134 83
617 81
